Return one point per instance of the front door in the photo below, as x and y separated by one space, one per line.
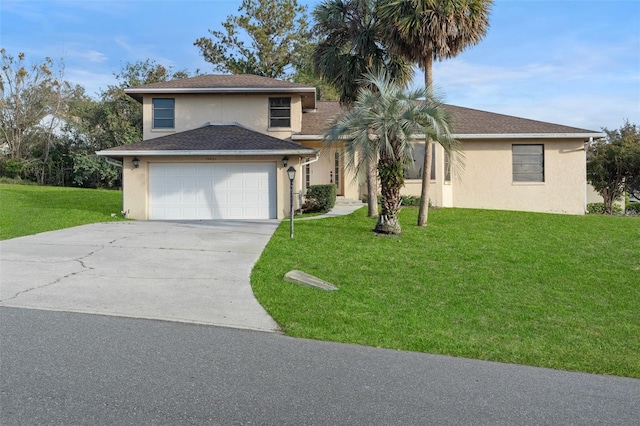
327 170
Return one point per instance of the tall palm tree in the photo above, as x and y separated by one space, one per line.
424 30
350 46
381 124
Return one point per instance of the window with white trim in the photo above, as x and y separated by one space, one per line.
164 113
279 112
413 169
447 167
528 163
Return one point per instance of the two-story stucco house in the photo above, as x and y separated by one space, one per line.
218 147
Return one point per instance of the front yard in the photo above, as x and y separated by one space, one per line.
539 289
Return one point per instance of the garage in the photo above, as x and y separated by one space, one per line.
202 191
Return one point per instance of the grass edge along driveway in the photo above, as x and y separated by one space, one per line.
545 290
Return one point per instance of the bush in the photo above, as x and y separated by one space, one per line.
407 200
11 168
411 201
598 208
320 198
633 208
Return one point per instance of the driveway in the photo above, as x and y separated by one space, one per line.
195 272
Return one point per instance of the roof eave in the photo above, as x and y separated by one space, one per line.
594 135
221 153
307 102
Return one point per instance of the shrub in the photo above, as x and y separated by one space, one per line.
320 198
407 200
633 208
598 208
11 168
411 201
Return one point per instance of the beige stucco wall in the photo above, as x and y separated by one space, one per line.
193 111
322 172
136 181
482 177
486 181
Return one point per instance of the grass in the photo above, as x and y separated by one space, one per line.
546 290
28 209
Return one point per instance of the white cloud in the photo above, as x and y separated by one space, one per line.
86 55
93 82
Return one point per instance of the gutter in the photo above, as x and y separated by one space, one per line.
226 153
163 90
308 94
488 136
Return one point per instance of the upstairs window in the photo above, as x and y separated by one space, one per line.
279 112
164 112
528 163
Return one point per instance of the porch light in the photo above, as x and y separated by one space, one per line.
136 162
291 172
285 161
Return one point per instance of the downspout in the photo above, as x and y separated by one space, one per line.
113 162
586 184
301 166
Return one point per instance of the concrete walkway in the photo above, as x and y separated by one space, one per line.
338 210
194 272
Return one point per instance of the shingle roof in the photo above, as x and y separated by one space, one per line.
219 81
233 139
472 121
466 121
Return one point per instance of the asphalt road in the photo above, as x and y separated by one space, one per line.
60 368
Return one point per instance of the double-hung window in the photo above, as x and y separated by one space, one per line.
528 163
164 113
279 112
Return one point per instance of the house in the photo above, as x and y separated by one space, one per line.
219 146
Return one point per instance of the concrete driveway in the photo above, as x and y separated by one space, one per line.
195 272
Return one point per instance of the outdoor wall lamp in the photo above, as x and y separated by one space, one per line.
285 161
291 172
136 162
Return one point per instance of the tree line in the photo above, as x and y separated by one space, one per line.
51 129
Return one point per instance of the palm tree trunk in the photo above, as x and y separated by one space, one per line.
391 180
423 213
372 189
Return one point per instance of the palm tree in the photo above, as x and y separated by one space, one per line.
381 124
424 30
351 46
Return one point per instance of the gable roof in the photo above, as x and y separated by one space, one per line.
467 123
212 139
219 83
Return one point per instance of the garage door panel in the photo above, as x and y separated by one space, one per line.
212 191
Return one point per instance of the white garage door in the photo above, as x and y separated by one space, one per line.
212 191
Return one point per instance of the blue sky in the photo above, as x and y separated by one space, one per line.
570 62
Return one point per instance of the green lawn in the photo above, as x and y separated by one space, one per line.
30 209
539 289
